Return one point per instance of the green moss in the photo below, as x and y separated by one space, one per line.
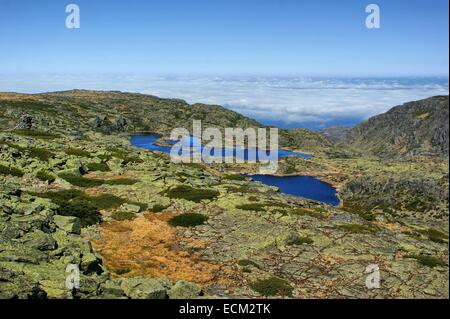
10 171
123 215
272 286
191 194
428 261
98 167
77 152
188 220
44 176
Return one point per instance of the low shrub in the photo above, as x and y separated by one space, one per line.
10 171
307 212
234 177
188 220
80 180
107 201
191 194
37 134
299 240
90 182
83 209
157 208
77 152
272 286
435 235
429 261
44 176
40 153
123 215
357 228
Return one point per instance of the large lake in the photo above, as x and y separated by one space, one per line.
304 186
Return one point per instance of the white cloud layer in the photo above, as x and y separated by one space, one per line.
287 101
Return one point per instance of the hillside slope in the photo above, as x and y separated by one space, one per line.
419 128
76 111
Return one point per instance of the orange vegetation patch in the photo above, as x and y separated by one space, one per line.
148 247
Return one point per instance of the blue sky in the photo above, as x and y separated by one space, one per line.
326 37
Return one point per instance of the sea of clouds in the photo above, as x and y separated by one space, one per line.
312 102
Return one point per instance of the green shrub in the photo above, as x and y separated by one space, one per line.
98 167
252 206
307 212
83 209
272 286
121 271
90 182
157 208
80 181
107 201
77 152
40 153
429 261
10 171
44 176
37 134
191 194
188 220
435 235
123 215
62 196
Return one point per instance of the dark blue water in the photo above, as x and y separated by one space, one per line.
304 186
148 142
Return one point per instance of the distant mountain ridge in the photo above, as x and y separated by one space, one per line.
419 128
335 133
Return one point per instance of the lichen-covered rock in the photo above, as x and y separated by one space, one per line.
184 290
68 223
142 288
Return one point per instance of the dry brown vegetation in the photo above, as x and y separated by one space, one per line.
147 246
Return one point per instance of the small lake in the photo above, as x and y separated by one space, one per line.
304 186
148 142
